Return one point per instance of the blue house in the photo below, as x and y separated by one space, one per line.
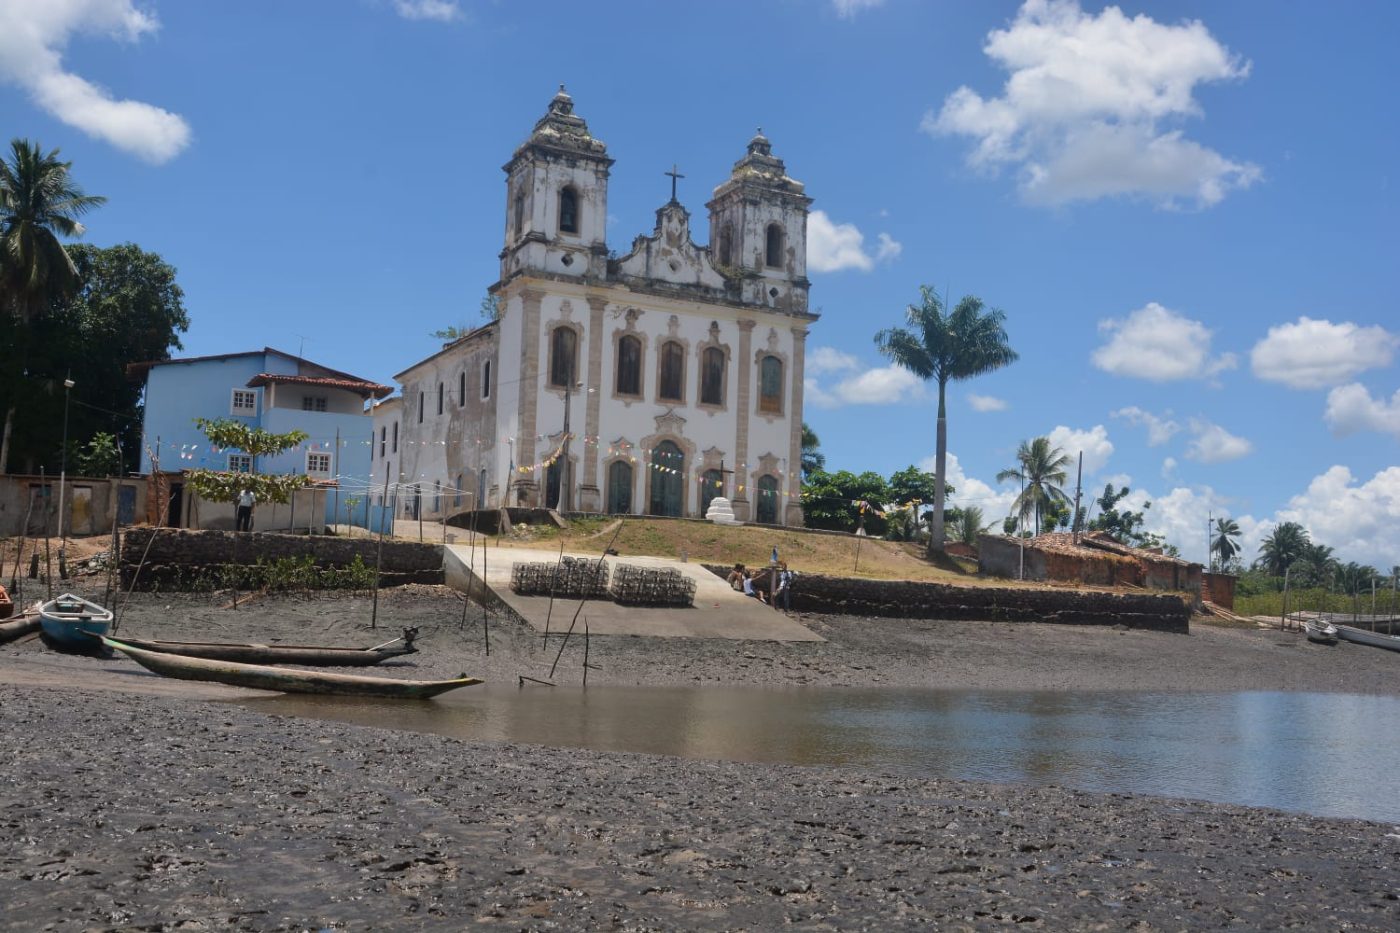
266 389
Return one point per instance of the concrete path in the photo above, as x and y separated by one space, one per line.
719 611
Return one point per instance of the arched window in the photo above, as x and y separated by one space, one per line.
767 500
774 252
726 245
672 372
712 376
667 480
770 385
486 379
568 211
563 362
711 486
619 488
553 477
629 366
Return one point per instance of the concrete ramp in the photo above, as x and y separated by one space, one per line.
719 611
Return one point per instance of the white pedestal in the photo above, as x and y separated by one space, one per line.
721 512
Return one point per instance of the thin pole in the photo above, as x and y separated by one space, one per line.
1210 551
553 581
485 603
48 518
19 551
1078 486
1283 619
1020 532
63 464
335 471
574 621
379 559
585 651
112 563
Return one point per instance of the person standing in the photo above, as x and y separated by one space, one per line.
783 599
243 520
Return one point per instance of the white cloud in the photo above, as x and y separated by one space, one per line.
1350 408
1210 443
1169 468
813 394
1361 521
1094 443
1082 113
1158 344
1311 354
883 385
986 402
849 9
443 11
829 360
995 503
33 36
1160 429
832 247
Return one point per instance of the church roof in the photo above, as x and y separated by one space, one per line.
562 129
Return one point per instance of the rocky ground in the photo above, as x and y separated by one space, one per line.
134 803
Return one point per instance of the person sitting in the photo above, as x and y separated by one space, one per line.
736 576
753 589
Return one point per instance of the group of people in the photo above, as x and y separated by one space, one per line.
760 584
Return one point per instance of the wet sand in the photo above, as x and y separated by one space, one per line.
130 802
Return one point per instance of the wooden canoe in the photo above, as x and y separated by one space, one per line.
19 626
306 655
1362 637
282 680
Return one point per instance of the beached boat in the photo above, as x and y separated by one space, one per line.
1363 637
1320 631
283 680
69 621
306 655
21 625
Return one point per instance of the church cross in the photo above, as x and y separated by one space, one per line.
674 174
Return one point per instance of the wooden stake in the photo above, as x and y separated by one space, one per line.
379 559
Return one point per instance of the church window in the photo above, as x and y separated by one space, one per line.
563 349
395 446
629 366
519 218
726 245
568 211
712 377
439 398
619 488
421 403
672 372
383 439
462 388
486 379
767 500
711 486
770 385
667 480
775 246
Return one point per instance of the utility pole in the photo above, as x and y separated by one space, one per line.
63 467
1210 551
1078 487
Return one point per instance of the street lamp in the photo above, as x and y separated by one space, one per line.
63 463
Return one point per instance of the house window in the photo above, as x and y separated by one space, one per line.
672 372
726 244
421 403
770 385
775 246
767 500
439 398
240 463
486 379
462 389
318 464
383 434
396 437
245 402
563 345
568 211
313 403
712 377
629 366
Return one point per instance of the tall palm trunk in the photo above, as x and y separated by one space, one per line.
940 471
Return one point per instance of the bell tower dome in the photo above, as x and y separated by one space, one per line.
557 198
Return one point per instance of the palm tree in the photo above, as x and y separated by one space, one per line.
946 346
1316 564
968 523
1043 470
39 203
1282 547
1226 542
813 460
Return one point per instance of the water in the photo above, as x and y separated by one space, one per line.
1324 754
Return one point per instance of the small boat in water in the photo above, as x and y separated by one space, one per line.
306 655
282 680
1363 637
1320 631
70 622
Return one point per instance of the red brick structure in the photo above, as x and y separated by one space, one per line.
1219 588
1096 559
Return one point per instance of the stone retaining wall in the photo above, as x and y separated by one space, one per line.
901 599
175 553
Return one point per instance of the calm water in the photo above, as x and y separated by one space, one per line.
1326 754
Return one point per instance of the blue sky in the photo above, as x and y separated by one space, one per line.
1185 209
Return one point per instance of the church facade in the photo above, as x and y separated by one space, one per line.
642 384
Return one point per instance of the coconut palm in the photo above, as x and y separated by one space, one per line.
1225 544
1316 565
1043 469
968 522
1282 547
39 203
946 347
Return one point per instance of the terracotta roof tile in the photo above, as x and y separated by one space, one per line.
362 386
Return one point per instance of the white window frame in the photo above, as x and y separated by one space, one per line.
243 410
318 455
240 463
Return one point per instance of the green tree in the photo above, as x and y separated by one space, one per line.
813 461
1126 525
1316 565
967 523
101 456
946 347
830 500
39 203
912 484
225 485
1225 543
1282 547
1042 469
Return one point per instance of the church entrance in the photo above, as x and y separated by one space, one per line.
552 478
619 488
667 480
711 486
767 500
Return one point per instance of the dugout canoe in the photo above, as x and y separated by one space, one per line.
1374 639
283 680
305 655
18 627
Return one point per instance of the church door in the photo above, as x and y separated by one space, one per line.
667 479
767 500
711 486
552 477
619 488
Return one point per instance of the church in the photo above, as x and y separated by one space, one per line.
645 384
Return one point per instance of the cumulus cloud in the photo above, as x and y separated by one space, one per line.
832 247
1362 521
850 9
1158 344
883 385
829 360
1311 354
33 36
986 402
1160 428
1210 443
1092 108
1350 408
1169 468
1094 443
995 503
442 11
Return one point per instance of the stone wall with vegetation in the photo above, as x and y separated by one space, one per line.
176 558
